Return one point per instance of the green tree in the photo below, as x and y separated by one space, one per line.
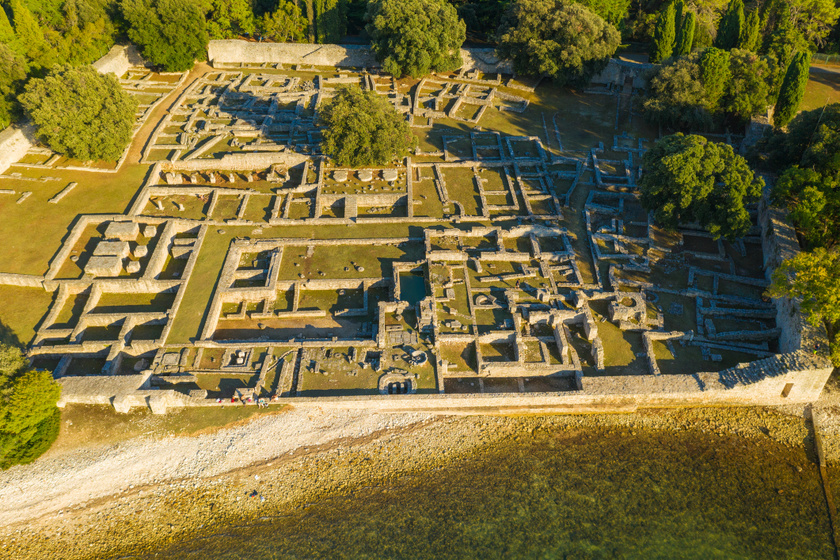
664 34
812 140
676 97
28 414
227 19
813 201
715 75
330 20
690 179
557 39
811 278
749 36
30 37
813 19
793 89
171 33
731 27
685 35
363 128
13 70
285 24
80 112
612 11
415 37
748 91
7 34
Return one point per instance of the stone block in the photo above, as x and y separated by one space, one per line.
111 248
365 175
124 231
132 267
149 231
340 175
389 175
104 266
181 252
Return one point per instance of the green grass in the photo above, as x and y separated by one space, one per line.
21 310
96 193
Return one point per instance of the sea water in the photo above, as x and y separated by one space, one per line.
563 493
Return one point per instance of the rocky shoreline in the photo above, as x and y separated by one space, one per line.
95 504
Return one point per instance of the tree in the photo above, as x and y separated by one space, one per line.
813 201
330 20
685 35
29 419
30 39
793 89
227 19
749 89
13 70
80 112
171 33
415 37
812 140
690 179
7 34
749 35
813 18
664 34
557 39
811 278
285 24
731 27
613 11
363 128
676 97
715 75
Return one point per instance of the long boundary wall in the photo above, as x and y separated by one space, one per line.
235 51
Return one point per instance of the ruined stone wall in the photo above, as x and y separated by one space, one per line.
234 51
15 141
118 60
617 71
779 243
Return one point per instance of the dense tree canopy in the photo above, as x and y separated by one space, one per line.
690 179
363 128
81 113
227 19
732 26
12 75
811 278
170 33
415 37
813 200
712 87
812 140
29 419
556 38
285 24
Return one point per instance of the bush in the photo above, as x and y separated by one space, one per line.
562 40
363 128
81 113
415 37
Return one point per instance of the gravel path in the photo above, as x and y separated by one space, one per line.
53 484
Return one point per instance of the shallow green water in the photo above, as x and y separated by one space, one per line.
564 494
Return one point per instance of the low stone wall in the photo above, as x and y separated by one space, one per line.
15 141
9 279
235 51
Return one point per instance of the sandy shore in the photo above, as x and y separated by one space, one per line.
136 496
